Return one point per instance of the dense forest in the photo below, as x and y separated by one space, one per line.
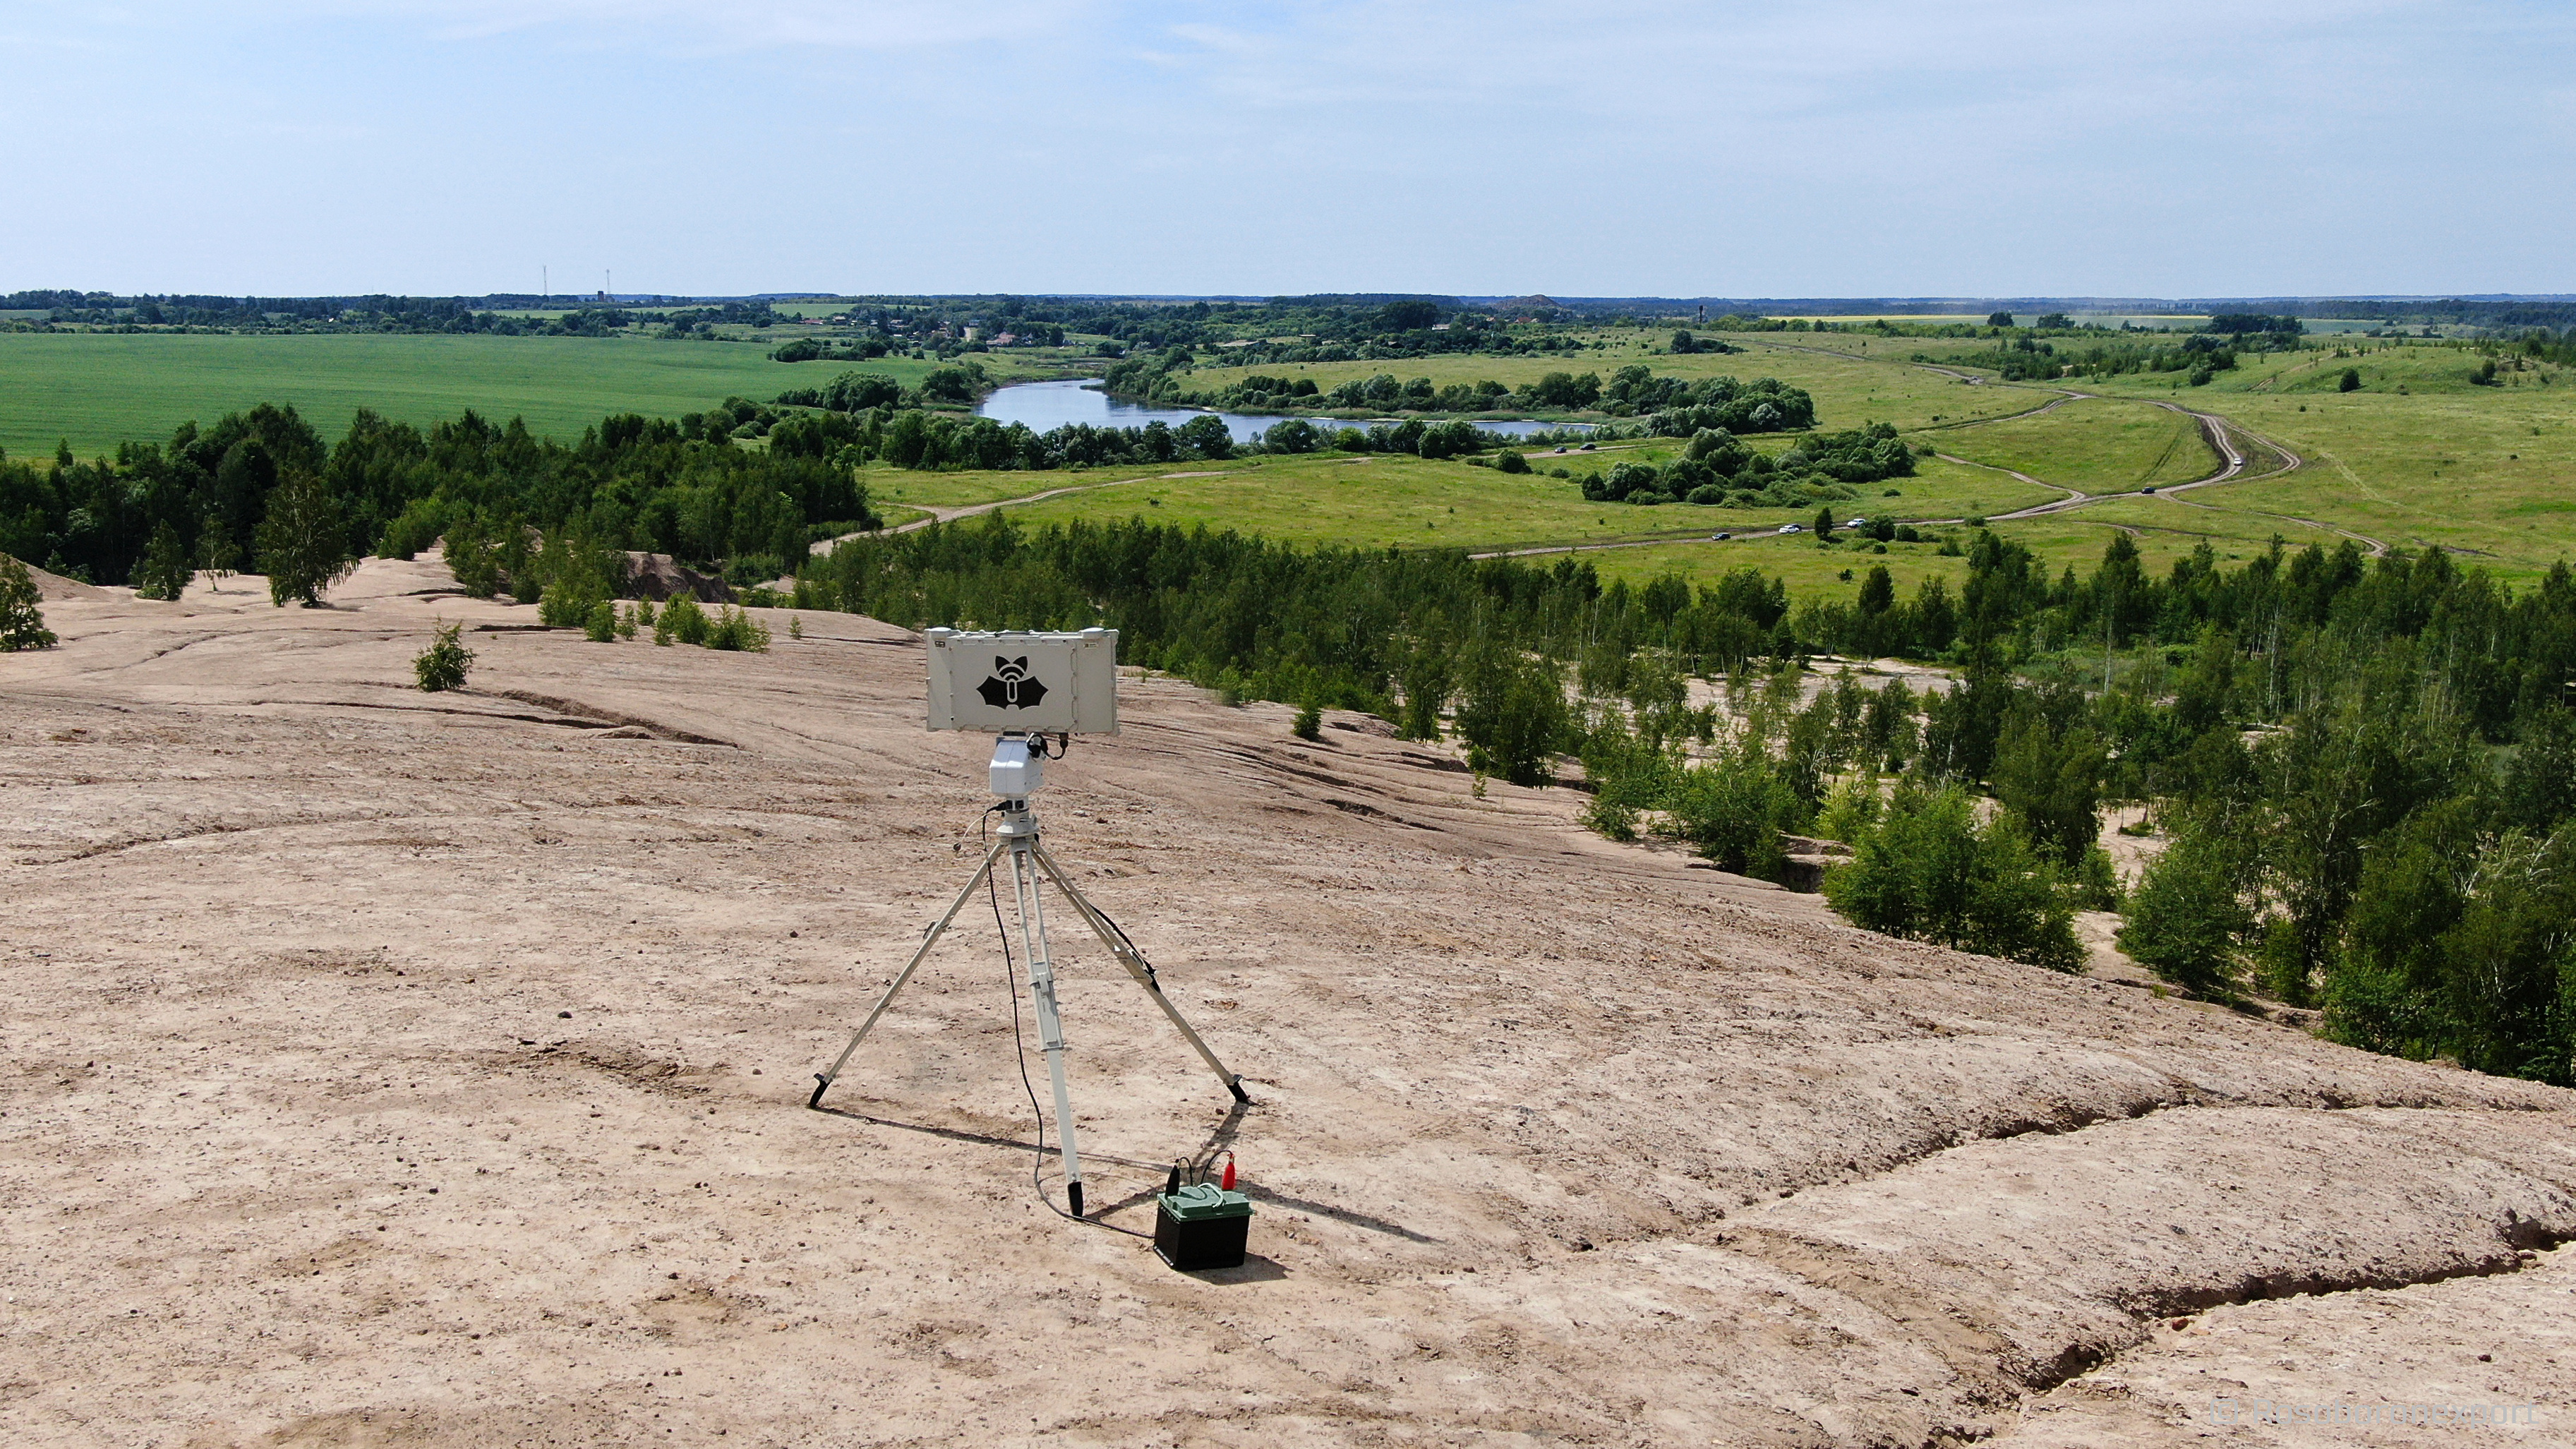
1276 331
1280 330
739 488
1678 406
1716 469
2202 354
631 482
2367 767
102 311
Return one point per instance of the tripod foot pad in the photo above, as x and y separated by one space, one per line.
1073 1196
822 1084
1236 1087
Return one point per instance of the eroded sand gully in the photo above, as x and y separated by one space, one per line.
384 1067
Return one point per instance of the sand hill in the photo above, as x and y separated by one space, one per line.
392 1068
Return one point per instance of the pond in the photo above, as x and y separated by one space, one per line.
1043 406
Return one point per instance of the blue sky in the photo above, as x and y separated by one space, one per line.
1841 148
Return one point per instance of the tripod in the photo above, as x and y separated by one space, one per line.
1018 838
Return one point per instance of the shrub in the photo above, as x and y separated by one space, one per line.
1310 723
474 563
2188 920
1850 809
2095 883
1629 479
442 665
1514 717
683 620
1734 808
22 617
303 544
2050 777
601 626
1511 462
739 631
165 571
1424 676
563 607
1929 872
2350 381
415 528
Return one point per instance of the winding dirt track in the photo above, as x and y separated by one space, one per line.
938 514
391 1068
2222 436
2229 440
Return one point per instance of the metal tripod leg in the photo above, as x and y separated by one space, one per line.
823 1080
1033 938
1137 966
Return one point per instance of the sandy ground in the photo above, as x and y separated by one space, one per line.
389 1068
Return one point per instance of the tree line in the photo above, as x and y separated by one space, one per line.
2366 768
374 313
917 438
2202 355
214 497
1678 406
1716 469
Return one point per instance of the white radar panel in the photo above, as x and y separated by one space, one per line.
1002 683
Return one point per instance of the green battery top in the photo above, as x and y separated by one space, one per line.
1201 1201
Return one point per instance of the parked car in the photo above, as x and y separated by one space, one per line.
2147 490
1719 537
1586 448
1791 528
1857 523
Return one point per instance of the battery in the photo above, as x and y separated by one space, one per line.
1202 1226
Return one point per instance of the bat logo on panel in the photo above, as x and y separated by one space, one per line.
1012 686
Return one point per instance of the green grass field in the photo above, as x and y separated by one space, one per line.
2418 456
96 390
1366 500
2096 446
1809 571
1369 500
2163 531
1849 389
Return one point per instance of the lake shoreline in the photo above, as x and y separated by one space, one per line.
1045 405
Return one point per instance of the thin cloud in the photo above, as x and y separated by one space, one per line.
711 26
